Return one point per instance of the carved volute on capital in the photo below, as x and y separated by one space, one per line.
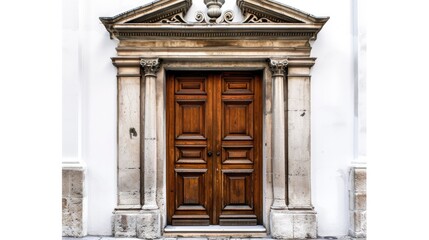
150 66
278 66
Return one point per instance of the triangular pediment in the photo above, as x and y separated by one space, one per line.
267 11
165 18
156 12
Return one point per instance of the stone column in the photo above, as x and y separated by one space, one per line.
280 224
149 223
279 155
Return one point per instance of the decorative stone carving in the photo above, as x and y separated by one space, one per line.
213 7
278 66
150 66
214 13
178 18
251 18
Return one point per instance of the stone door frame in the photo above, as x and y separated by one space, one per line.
130 218
153 39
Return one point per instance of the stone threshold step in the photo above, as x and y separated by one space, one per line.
215 229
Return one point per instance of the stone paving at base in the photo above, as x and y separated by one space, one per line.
208 238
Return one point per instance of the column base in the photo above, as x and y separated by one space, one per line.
145 224
286 224
149 224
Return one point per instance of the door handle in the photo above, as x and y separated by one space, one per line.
218 153
209 153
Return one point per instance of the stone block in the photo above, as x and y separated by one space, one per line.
77 179
358 201
359 179
304 226
66 183
73 203
125 225
149 224
358 224
129 180
129 198
281 224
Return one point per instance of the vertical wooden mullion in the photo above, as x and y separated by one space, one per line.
210 144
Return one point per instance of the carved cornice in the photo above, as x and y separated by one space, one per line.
150 66
278 66
263 19
230 31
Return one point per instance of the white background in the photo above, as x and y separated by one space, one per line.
30 128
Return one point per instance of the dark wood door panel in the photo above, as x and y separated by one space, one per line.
191 119
191 189
237 190
237 118
191 154
191 85
214 153
237 154
237 85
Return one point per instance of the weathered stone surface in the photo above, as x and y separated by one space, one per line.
299 137
73 203
357 199
359 179
125 225
304 226
286 224
128 118
128 198
149 224
281 224
129 180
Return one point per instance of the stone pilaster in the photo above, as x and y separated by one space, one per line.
357 194
299 139
278 146
298 220
279 221
129 169
129 144
149 221
150 67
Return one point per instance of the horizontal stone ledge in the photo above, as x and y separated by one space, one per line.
127 209
128 75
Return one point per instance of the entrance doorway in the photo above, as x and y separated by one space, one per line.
214 148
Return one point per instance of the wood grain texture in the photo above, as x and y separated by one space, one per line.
214 150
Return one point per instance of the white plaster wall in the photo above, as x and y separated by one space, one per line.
89 75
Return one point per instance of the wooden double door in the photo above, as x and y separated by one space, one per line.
214 149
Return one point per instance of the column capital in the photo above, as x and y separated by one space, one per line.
278 66
150 66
